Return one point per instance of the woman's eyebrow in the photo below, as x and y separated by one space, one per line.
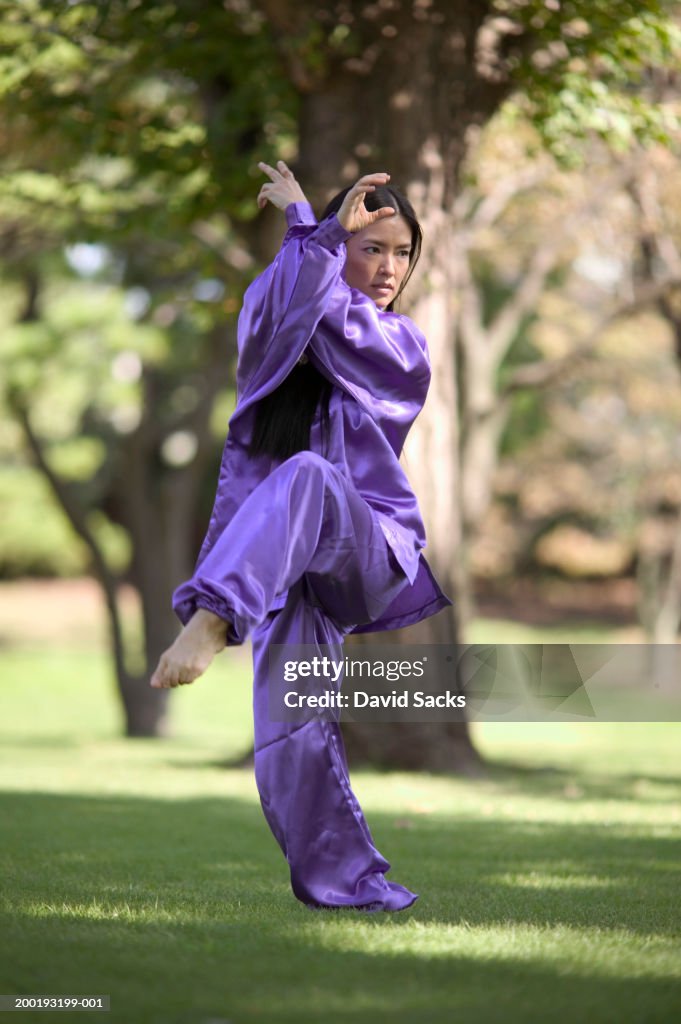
375 241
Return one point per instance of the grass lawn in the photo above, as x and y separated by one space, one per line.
549 891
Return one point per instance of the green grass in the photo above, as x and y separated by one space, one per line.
145 870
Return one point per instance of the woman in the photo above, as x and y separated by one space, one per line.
315 532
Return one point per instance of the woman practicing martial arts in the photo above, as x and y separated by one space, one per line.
315 532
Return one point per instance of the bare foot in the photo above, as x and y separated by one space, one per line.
191 654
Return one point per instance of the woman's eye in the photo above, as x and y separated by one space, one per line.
403 253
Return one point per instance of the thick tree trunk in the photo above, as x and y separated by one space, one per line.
403 102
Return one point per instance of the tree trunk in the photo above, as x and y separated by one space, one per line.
403 103
157 506
144 517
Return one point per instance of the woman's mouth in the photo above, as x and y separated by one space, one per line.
383 289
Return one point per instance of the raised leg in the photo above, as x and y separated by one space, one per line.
304 518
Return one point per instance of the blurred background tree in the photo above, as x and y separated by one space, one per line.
116 230
129 230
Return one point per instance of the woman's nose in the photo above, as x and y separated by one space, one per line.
387 265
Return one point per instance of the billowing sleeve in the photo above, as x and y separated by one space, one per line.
283 306
280 311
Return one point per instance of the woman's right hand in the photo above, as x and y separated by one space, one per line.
353 214
282 189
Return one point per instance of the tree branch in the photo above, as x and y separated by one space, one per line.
76 517
504 327
655 240
477 216
540 374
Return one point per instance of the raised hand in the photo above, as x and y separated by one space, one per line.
353 214
282 188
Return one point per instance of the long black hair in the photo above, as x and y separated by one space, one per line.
283 418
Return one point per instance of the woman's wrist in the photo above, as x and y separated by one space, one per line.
300 213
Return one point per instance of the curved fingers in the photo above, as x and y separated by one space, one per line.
382 213
377 178
276 173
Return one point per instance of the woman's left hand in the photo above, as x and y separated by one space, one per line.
353 214
282 189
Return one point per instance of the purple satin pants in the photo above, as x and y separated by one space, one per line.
305 530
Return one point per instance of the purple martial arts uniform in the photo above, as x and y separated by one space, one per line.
323 544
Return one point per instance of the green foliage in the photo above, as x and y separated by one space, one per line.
78 369
527 421
36 538
596 69
122 107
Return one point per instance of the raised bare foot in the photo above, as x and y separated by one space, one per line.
191 654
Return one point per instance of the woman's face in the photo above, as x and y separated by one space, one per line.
378 258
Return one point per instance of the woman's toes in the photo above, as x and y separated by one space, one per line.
189 657
162 677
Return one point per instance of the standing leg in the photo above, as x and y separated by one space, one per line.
302 778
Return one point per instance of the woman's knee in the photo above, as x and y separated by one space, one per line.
309 463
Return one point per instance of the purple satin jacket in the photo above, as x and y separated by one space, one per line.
300 306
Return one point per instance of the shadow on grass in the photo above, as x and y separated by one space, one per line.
181 910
